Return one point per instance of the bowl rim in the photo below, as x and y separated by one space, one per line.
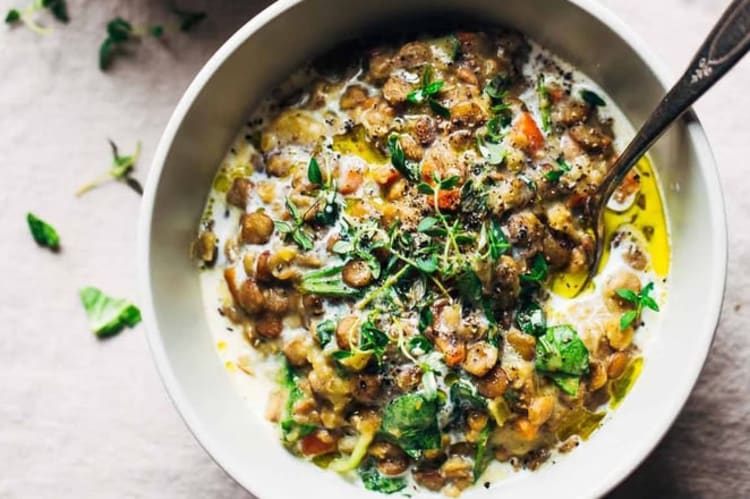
694 130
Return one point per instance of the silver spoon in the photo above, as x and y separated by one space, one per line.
728 41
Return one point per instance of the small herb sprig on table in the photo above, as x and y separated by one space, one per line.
121 32
107 316
121 170
58 8
641 300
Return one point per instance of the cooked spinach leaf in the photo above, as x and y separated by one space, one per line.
408 169
560 350
291 430
641 300
592 98
373 480
538 272
325 331
530 319
411 421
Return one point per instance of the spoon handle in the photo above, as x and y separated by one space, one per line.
724 46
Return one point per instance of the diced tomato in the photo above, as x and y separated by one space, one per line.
527 128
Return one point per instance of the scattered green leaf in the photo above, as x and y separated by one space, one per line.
108 316
531 320
538 271
314 175
42 232
188 19
121 170
13 16
498 243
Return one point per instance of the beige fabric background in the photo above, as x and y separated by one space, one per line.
81 418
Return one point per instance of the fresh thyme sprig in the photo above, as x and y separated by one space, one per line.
641 300
121 169
58 8
427 92
295 229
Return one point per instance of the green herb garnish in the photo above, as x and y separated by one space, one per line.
314 175
121 169
291 430
592 98
427 92
326 282
58 8
409 169
640 300
294 230
188 19
157 30
421 344
554 175
107 316
372 339
545 103
119 31
498 243
42 232
492 152
497 87
325 331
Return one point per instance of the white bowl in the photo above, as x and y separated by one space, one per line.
286 35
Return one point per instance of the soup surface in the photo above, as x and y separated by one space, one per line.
391 255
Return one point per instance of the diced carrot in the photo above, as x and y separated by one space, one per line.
384 174
428 169
525 429
350 182
454 351
317 443
527 128
448 200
